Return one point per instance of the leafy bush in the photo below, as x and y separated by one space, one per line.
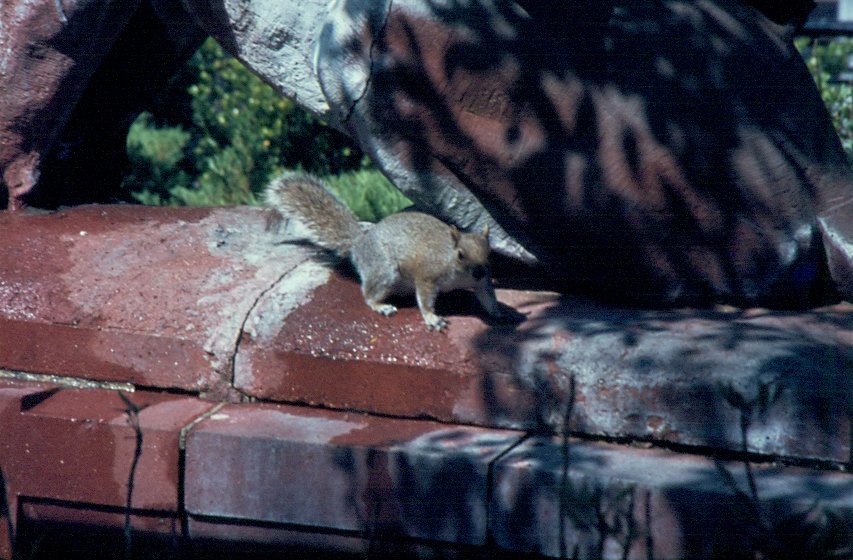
218 134
368 193
155 156
825 59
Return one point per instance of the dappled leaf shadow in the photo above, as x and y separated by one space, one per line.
730 383
643 151
647 153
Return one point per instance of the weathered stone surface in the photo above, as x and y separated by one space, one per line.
770 382
295 476
210 301
674 152
290 465
585 500
65 454
13 395
218 530
77 445
664 152
277 40
125 293
72 79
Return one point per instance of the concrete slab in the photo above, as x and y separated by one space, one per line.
592 500
340 471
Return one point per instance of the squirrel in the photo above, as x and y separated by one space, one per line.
405 253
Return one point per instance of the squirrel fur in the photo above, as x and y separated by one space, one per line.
405 253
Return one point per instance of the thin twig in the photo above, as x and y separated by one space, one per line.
132 411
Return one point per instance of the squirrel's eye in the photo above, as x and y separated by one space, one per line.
460 255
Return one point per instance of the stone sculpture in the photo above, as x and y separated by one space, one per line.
654 153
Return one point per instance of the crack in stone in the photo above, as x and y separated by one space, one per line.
232 366
185 431
369 79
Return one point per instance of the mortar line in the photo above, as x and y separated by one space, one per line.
182 464
182 435
66 381
696 450
491 483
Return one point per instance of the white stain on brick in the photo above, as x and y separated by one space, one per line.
18 301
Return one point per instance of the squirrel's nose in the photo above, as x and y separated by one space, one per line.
479 272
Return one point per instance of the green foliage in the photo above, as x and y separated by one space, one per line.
368 193
825 59
155 156
218 134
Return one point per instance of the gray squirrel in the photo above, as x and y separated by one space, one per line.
405 253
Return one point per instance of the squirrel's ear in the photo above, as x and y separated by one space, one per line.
454 232
486 231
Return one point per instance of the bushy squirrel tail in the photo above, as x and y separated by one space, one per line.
320 217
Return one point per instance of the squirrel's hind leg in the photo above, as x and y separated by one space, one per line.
375 291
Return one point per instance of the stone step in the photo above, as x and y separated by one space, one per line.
282 474
211 301
372 429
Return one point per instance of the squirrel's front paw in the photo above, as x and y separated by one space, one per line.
434 322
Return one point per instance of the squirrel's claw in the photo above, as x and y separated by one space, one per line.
434 322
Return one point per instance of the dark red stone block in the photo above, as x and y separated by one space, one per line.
587 500
335 351
150 296
13 396
284 536
347 472
76 445
686 376
166 523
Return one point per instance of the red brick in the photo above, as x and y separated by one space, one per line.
76 446
682 376
330 470
13 395
151 296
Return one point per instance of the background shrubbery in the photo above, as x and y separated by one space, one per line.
826 59
218 133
